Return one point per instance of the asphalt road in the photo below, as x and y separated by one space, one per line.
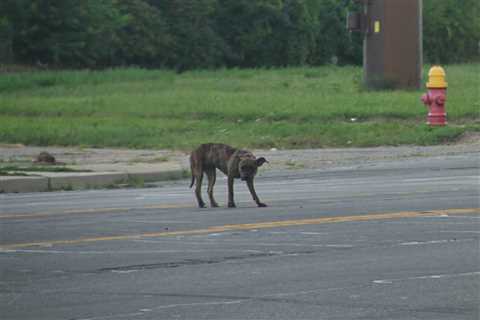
396 240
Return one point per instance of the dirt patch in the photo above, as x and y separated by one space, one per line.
469 138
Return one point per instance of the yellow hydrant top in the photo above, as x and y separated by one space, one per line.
436 78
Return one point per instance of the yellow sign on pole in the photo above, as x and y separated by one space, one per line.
377 26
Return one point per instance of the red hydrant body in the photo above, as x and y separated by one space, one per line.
436 97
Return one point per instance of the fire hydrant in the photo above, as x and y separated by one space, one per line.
436 97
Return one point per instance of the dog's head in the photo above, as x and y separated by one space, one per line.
248 167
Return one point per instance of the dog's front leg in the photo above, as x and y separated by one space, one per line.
231 203
254 194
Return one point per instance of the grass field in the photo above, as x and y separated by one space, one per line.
283 108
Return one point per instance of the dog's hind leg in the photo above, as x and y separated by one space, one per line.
197 176
211 175
198 189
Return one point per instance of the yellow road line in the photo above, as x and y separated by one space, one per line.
250 226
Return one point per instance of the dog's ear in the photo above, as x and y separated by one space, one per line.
261 161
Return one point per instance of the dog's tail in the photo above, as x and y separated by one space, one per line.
191 170
193 181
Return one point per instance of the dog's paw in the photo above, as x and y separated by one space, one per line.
261 205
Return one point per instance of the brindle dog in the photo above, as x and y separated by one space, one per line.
235 163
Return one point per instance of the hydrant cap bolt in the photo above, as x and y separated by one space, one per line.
436 78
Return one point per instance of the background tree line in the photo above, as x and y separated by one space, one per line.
193 34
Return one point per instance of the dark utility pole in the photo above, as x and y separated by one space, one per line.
393 42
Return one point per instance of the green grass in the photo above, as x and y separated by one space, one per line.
284 108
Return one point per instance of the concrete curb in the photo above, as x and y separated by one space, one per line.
10 184
51 181
86 180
